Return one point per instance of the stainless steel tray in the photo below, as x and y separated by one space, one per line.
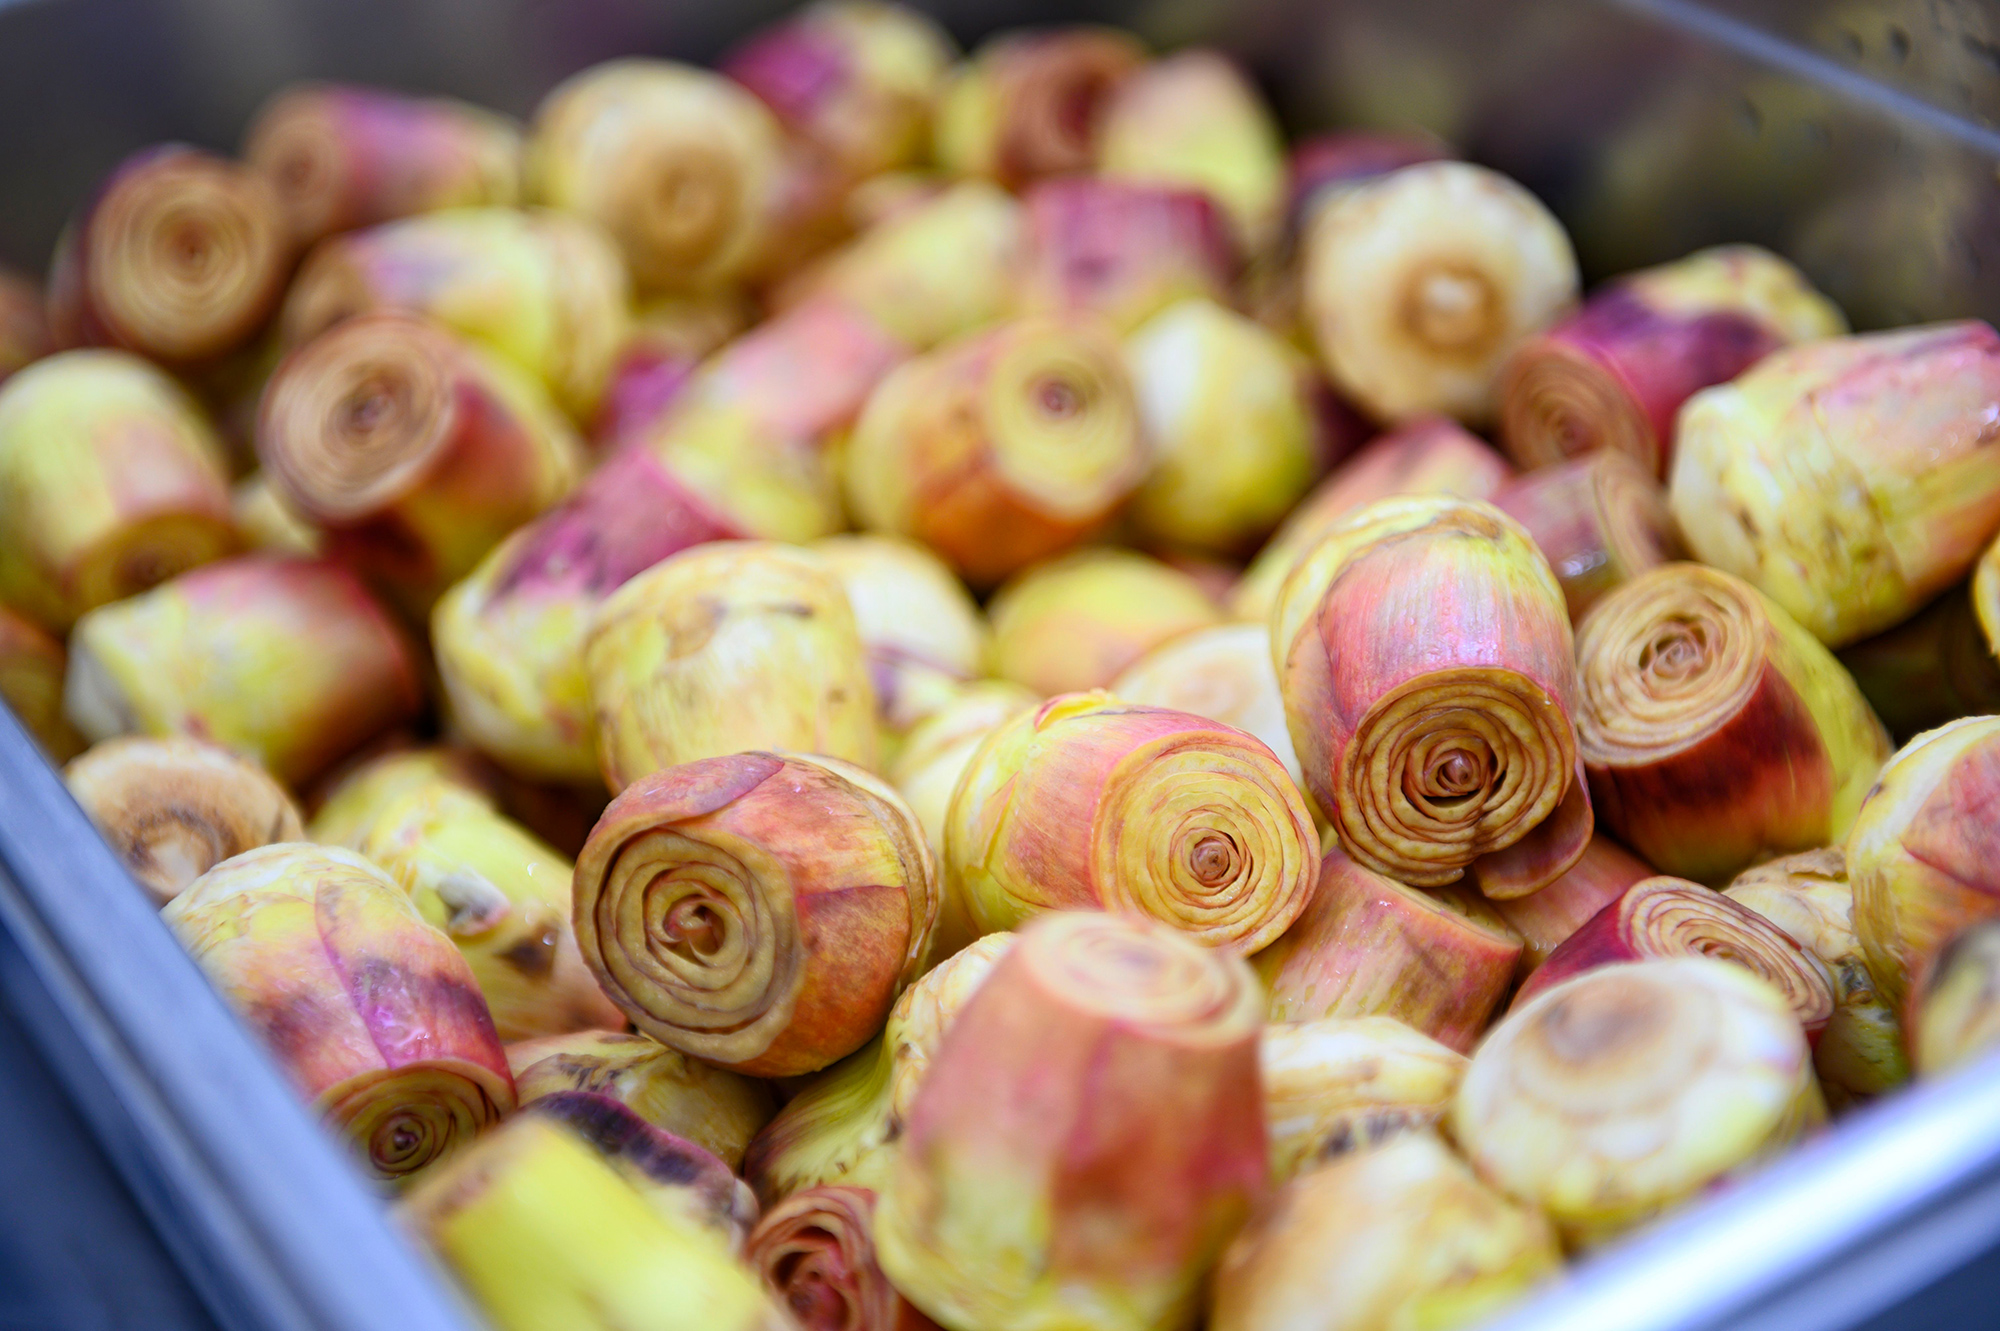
1858 138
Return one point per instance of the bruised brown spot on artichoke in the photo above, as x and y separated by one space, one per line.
614 1129
1367 1129
1664 917
535 955
674 1173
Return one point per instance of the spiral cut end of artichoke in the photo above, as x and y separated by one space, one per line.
1559 400
1421 283
683 205
1030 105
1061 419
1631 512
1455 765
678 163
816 1250
1715 729
1192 823
707 907
1665 917
1701 1061
183 255
354 420
1431 742
339 156
693 948
1000 448
299 146
174 808
1667 662
402 1120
